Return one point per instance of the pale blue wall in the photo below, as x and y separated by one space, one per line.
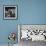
7 26
33 12
29 12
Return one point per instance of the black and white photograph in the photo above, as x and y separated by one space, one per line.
31 34
10 12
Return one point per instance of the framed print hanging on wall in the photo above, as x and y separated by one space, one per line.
10 12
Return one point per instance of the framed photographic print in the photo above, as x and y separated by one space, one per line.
10 12
33 32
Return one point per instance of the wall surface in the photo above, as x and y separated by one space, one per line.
33 12
29 12
7 26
